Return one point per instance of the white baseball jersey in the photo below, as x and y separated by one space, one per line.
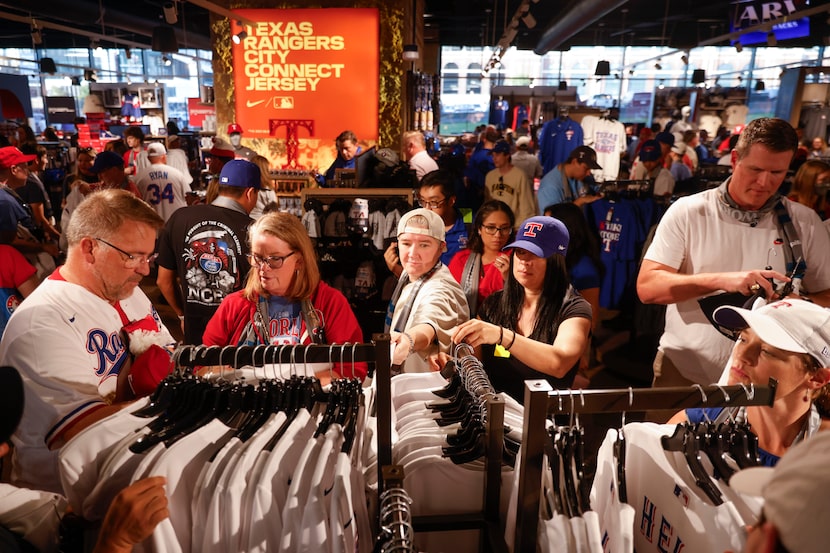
163 187
32 514
616 519
69 347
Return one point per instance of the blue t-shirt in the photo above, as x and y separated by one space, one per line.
11 212
456 239
584 274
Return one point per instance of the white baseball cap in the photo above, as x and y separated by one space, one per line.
791 325
156 149
522 141
433 227
795 494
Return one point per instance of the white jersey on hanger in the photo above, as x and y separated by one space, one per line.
607 138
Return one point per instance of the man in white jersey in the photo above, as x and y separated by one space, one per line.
721 240
68 340
162 186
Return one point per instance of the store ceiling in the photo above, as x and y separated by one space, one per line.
559 24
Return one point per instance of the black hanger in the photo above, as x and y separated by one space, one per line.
686 440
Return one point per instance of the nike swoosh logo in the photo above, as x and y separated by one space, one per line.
251 104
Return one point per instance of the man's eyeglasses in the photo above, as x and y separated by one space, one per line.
492 229
431 204
132 260
273 261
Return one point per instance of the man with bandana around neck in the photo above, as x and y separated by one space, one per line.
733 238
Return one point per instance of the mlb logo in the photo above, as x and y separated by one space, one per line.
283 102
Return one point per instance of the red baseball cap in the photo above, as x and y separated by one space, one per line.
11 156
234 128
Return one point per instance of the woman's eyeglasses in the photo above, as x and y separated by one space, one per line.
273 261
492 229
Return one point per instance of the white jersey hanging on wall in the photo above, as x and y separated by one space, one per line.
607 137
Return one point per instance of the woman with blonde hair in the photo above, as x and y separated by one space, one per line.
810 186
266 191
284 300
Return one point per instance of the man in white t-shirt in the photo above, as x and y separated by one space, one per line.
721 240
414 146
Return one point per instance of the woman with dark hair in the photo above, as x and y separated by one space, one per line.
538 326
583 261
481 268
284 300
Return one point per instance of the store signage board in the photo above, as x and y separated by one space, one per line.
308 64
756 12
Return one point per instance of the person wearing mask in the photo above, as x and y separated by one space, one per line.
347 150
481 268
570 180
538 326
788 340
810 186
415 150
694 253
284 300
203 249
509 184
427 303
68 338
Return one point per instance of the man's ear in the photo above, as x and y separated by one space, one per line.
87 245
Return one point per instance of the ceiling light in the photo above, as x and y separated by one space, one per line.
166 60
410 52
171 15
239 37
738 46
129 80
661 86
47 65
76 81
563 85
603 68
760 86
631 72
699 76
532 84
616 75
685 59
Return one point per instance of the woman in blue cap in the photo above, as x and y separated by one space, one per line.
538 326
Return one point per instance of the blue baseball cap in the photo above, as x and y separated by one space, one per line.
241 173
501 147
650 151
665 138
542 236
106 160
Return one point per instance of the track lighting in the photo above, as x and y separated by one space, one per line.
738 46
532 84
239 37
657 66
171 14
699 76
685 59
166 60
603 68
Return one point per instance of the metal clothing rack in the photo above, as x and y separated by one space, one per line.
487 520
541 401
395 513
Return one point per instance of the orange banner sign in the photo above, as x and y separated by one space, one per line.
318 65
